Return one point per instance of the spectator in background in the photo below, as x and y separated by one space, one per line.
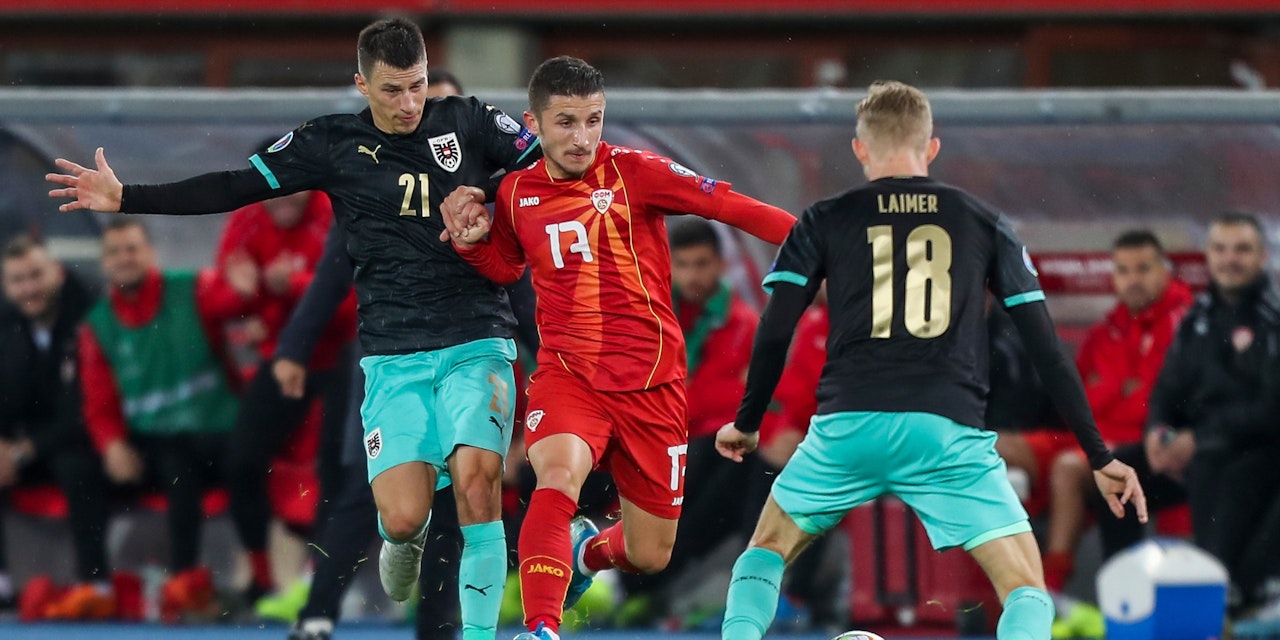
718 328
42 438
278 241
442 84
1118 361
158 396
1215 415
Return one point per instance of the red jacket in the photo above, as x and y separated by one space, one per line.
795 400
1127 349
251 232
718 372
103 414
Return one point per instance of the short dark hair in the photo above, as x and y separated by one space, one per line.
395 42
563 76
440 76
1241 217
1138 238
20 245
122 222
694 232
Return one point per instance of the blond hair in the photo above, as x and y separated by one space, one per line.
894 114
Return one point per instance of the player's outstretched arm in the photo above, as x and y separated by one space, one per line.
95 189
764 221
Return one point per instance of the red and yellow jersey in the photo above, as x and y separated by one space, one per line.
601 263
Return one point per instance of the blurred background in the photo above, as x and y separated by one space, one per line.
1078 118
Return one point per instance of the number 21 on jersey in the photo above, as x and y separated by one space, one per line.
423 183
926 309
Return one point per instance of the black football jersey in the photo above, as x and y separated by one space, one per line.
908 263
414 292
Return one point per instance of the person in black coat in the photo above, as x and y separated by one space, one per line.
42 439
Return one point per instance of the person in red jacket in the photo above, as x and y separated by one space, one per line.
158 391
280 240
1119 361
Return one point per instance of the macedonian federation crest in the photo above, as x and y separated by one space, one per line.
446 151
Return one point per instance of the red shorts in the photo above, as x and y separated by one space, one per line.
1046 445
639 437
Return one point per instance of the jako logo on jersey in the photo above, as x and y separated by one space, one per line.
542 568
372 154
677 502
531 421
530 201
601 199
681 170
373 443
446 151
281 143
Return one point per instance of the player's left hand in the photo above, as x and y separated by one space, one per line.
1119 484
734 444
463 214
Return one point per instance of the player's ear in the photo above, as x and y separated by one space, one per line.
360 85
860 150
531 123
935 145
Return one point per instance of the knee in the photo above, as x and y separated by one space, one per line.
650 558
1068 469
479 499
558 477
401 524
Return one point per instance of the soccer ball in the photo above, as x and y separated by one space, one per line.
858 635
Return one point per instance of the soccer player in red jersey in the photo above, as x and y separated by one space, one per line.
589 220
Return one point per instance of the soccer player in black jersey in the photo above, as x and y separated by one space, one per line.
908 262
435 333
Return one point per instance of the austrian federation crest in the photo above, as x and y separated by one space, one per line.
446 151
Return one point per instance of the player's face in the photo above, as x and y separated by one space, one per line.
1139 275
127 256
570 129
396 96
1235 256
696 272
31 282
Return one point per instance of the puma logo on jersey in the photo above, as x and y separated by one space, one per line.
538 567
372 154
530 201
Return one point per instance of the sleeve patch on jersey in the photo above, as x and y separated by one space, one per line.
708 185
1023 298
1026 261
506 124
536 141
784 276
681 170
281 143
265 171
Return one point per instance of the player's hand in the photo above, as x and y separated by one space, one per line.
734 444
1178 454
1119 484
463 213
122 463
292 377
96 190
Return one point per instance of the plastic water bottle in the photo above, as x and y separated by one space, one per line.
153 577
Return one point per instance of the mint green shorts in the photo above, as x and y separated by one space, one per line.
419 407
948 473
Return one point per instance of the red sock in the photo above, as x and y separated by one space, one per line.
608 550
545 550
261 567
1058 567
